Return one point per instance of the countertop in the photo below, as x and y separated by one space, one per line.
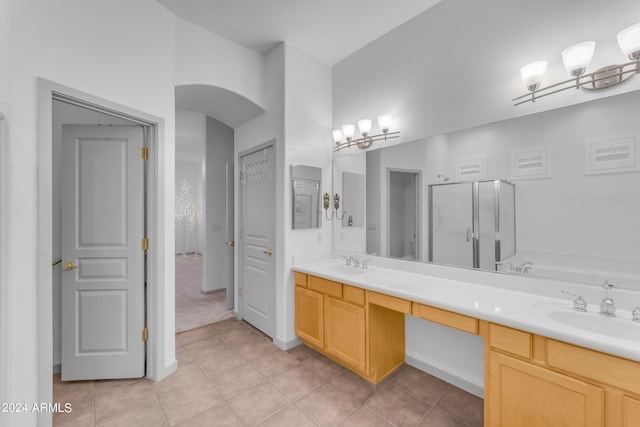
527 311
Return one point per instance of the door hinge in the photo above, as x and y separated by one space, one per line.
145 334
145 244
145 153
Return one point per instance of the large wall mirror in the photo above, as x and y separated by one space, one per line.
563 186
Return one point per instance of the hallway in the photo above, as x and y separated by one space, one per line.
231 375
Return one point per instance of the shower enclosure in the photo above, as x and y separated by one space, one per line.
472 224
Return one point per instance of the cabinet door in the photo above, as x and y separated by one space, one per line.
522 394
345 333
310 317
631 411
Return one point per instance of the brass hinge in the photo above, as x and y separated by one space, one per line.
145 334
145 153
145 244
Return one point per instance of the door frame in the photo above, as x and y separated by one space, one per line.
418 225
156 363
238 259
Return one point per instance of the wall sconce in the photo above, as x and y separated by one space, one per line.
576 59
344 137
336 205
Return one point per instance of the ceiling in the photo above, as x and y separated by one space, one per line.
328 30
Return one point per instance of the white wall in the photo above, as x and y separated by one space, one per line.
219 152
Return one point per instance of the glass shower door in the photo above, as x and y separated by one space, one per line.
451 224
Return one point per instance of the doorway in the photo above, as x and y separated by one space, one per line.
404 214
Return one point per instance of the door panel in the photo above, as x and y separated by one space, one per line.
257 203
102 232
451 216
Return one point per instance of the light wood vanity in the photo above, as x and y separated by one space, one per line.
530 380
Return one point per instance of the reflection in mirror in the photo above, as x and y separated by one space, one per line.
353 190
305 181
576 175
403 213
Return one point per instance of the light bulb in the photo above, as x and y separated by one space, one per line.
629 41
532 74
576 58
337 136
384 121
348 131
365 126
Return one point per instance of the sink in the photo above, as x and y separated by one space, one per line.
343 269
622 328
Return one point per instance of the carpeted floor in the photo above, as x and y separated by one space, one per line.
193 308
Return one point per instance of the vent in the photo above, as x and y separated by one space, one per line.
611 155
532 163
470 169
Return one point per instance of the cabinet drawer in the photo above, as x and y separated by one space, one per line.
353 294
618 372
392 303
447 318
510 340
300 279
325 286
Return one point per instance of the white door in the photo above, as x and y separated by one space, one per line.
257 204
103 285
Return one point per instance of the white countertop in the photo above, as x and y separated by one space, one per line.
527 311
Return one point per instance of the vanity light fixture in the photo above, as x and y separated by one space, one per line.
344 137
576 59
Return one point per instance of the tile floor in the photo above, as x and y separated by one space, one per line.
231 375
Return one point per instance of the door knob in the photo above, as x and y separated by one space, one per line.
230 243
69 265
268 252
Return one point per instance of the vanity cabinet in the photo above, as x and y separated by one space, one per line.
345 333
534 380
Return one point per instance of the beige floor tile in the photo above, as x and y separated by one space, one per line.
184 403
464 406
440 418
424 386
149 415
397 406
104 386
194 335
122 399
185 375
82 414
183 357
240 336
206 346
227 325
237 379
249 350
289 416
220 361
327 405
273 363
323 366
302 352
364 417
219 416
258 403
353 384
72 391
297 381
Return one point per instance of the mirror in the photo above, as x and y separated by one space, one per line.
305 193
576 181
353 190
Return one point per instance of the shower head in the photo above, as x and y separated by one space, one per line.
444 178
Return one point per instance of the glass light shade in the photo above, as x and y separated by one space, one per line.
384 121
629 41
576 58
348 131
337 136
365 126
533 74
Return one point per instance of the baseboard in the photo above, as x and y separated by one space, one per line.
466 384
286 345
214 291
57 368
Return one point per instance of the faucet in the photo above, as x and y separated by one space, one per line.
348 260
524 267
365 263
579 304
636 314
352 260
607 306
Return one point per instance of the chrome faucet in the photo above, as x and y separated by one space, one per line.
636 314
607 306
579 304
365 263
524 267
348 260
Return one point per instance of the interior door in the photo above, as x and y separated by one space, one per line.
103 285
451 224
257 283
